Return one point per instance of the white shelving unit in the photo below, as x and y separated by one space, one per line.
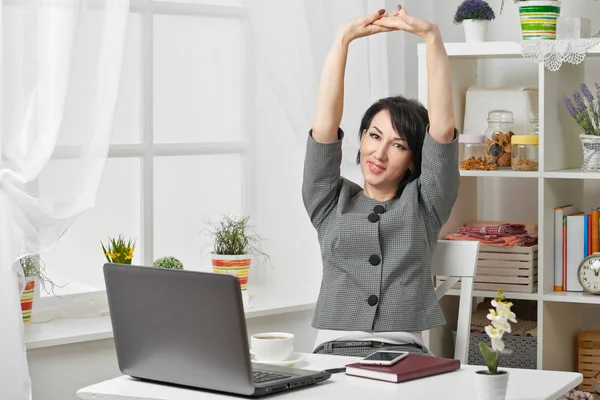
561 315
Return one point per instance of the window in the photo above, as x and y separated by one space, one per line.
181 148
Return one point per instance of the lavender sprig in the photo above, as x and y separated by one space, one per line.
587 116
579 101
586 92
570 107
474 9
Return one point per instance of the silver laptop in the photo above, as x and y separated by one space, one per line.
188 328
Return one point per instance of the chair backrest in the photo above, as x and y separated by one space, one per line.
457 260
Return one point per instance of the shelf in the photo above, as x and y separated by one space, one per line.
490 293
574 173
571 297
503 173
480 50
488 50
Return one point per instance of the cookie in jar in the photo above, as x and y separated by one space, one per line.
498 138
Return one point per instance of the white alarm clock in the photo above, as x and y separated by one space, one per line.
588 273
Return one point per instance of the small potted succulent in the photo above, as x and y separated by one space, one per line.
492 382
34 271
235 245
475 16
168 262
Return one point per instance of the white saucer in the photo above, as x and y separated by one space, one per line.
291 360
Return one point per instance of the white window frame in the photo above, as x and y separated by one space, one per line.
146 150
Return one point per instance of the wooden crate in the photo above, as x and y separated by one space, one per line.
513 269
588 357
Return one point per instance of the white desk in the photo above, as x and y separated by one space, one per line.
522 384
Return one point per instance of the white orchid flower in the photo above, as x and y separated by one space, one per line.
502 325
496 336
503 309
497 344
493 315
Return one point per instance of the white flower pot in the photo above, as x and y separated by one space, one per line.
491 387
475 30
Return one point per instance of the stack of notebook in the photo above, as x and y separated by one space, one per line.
414 366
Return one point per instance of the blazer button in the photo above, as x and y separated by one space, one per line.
372 300
373 217
374 260
379 209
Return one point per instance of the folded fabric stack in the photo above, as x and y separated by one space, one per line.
504 235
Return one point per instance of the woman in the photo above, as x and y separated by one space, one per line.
377 241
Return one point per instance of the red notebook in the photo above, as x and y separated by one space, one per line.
413 366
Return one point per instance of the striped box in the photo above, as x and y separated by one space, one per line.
27 298
538 19
238 265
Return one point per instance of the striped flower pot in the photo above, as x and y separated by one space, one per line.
538 19
27 297
238 266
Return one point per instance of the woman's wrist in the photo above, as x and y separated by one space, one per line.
433 35
343 38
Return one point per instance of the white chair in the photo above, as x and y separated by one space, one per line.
457 260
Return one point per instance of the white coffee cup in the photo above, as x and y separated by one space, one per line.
272 346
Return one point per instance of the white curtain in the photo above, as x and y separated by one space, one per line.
292 38
59 71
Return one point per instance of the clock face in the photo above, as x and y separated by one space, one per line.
589 274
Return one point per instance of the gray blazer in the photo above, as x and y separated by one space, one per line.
377 255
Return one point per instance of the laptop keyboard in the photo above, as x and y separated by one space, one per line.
263 376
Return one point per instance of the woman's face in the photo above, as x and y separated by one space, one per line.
384 155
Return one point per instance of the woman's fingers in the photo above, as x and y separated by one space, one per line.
375 16
392 23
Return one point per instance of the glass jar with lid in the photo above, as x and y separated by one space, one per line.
471 151
533 128
498 138
525 153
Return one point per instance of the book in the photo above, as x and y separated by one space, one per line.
577 248
559 228
413 366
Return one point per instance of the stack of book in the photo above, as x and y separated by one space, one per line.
413 366
576 236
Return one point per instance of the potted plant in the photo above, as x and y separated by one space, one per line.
474 15
587 115
538 18
34 271
168 262
117 251
235 245
491 384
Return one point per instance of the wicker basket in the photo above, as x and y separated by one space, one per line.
591 152
524 351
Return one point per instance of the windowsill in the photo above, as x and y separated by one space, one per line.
271 300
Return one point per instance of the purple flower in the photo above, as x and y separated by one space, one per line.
474 9
586 92
597 91
570 107
579 101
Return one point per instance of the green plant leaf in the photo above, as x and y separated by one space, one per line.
490 357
